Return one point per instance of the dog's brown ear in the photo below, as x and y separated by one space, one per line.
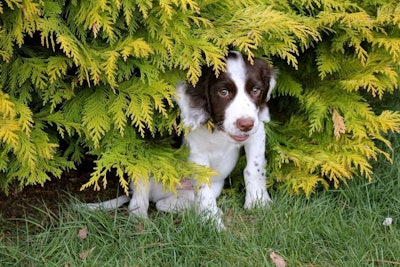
270 78
200 93
272 83
267 74
194 101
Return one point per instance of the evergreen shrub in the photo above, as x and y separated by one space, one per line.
96 78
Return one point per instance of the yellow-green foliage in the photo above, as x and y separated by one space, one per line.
97 78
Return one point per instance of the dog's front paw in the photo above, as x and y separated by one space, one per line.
219 225
142 213
214 217
260 200
138 207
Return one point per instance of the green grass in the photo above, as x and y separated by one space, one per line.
333 228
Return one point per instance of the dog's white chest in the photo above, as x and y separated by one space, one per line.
213 149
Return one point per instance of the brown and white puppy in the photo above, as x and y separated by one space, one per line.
236 103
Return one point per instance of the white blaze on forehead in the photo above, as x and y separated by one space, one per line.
241 106
236 68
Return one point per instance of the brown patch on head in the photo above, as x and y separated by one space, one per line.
213 94
258 79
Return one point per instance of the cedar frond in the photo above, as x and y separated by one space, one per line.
100 76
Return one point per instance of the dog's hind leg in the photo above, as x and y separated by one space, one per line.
109 204
183 200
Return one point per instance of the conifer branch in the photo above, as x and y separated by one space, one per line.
99 77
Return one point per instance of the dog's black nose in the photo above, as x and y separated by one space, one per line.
245 124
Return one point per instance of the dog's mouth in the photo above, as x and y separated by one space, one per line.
239 137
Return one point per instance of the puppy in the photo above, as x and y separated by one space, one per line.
235 102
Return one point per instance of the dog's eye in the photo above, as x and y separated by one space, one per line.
225 93
255 91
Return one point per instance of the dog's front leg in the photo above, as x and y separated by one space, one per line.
206 194
139 203
207 204
254 173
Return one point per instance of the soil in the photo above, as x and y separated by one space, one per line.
25 203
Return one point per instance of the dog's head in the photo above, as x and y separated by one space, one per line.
235 101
